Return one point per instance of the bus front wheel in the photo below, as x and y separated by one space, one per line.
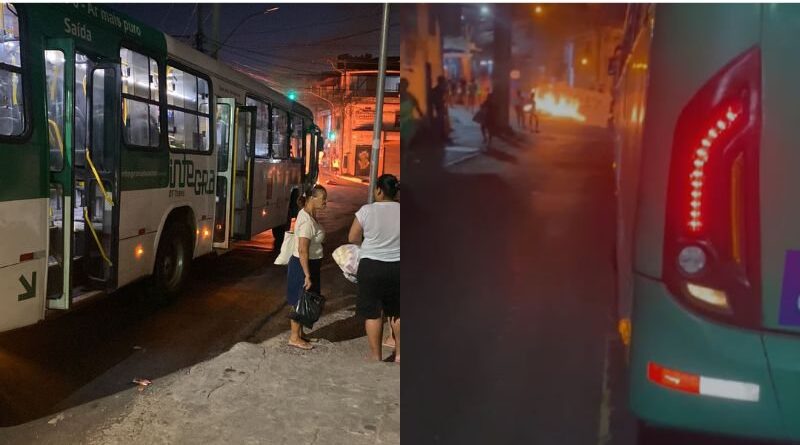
173 260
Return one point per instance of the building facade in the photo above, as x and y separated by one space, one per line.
346 114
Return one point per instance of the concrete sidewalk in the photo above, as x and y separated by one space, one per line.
265 393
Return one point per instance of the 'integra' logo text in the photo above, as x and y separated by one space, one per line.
183 174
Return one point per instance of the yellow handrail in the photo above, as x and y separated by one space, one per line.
54 126
97 177
88 222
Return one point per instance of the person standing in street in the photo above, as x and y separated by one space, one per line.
376 228
486 118
439 100
533 115
519 103
304 265
472 92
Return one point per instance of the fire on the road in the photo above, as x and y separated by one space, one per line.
559 106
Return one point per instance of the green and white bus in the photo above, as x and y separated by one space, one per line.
708 248
124 154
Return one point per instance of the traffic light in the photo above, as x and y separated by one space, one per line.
331 135
292 94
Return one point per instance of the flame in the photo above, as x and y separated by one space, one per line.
560 106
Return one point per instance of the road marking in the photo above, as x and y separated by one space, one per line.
603 429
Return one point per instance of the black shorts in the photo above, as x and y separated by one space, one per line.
378 288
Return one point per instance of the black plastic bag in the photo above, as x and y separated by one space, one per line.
309 308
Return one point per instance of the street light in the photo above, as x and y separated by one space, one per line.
584 61
537 10
219 45
485 10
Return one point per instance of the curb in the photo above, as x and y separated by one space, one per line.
462 159
350 179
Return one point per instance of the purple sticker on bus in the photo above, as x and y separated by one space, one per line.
790 295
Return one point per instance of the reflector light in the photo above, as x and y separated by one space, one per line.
139 251
206 232
708 295
679 381
699 160
702 385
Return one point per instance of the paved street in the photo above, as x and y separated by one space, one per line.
97 350
516 296
518 283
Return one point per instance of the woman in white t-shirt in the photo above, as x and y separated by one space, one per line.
377 229
304 265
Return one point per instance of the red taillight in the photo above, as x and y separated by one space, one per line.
724 122
712 226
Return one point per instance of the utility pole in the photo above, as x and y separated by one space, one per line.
377 128
198 39
502 63
215 30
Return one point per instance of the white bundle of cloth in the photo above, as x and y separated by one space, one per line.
346 256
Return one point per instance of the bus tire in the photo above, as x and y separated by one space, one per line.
172 263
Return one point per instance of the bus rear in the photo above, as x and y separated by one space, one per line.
716 254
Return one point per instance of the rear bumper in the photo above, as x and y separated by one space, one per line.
666 333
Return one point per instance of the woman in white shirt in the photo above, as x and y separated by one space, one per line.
304 265
377 229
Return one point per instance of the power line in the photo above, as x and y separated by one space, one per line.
320 42
309 25
189 21
164 19
272 64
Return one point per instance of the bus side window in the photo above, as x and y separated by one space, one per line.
280 130
222 135
12 112
297 138
140 104
188 112
54 70
262 127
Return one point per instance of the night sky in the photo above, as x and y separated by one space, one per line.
288 45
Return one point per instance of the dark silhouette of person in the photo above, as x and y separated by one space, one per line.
439 96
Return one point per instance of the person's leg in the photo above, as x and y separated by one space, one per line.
368 306
295 338
389 341
395 324
374 328
294 288
316 286
391 302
